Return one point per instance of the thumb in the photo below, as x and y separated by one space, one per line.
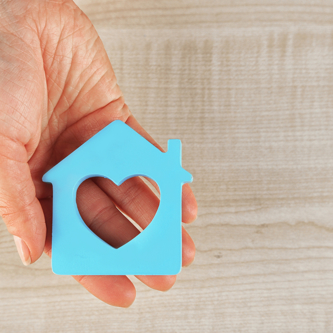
19 207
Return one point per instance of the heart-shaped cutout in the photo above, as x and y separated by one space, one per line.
117 214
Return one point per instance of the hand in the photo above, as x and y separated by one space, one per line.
57 89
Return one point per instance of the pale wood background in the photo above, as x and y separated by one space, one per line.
247 86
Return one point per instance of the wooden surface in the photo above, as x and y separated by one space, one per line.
247 86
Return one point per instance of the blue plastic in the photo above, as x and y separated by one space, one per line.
118 152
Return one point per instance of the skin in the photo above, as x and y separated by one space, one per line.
58 89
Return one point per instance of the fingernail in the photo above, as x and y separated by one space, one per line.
23 251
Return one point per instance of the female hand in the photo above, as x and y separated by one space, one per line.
57 89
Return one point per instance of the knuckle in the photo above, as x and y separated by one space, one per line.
11 224
131 193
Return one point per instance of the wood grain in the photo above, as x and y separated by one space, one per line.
247 86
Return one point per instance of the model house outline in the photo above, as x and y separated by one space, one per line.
117 152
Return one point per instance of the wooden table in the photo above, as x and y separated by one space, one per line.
247 86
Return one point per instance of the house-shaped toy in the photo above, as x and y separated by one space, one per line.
118 152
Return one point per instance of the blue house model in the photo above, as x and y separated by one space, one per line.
118 152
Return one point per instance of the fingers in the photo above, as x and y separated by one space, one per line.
19 206
136 199
165 282
104 219
46 205
102 216
158 282
113 290
188 249
133 197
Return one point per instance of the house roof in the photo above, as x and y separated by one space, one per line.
114 148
